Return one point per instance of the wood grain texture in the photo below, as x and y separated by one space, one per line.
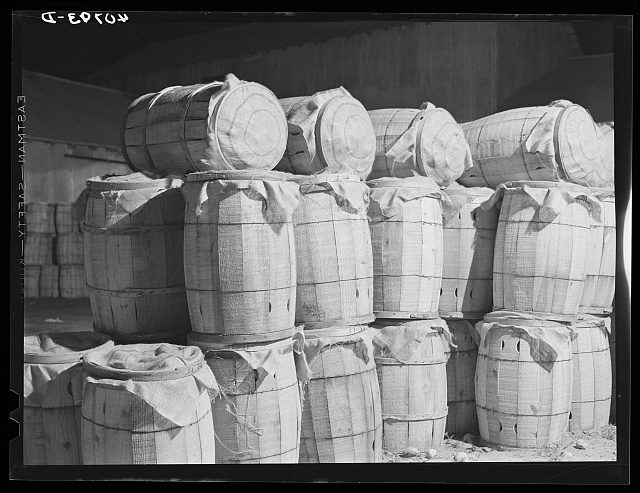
539 266
66 219
38 249
171 130
519 403
600 280
49 279
461 371
40 218
257 417
69 249
591 398
333 256
612 351
133 264
72 282
414 396
408 258
31 281
341 417
468 241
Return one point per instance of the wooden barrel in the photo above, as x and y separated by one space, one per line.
461 372
133 237
333 251
542 143
67 218
468 239
411 364
49 279
239 255
591 398
257 416
53 395
523 394
221 125
38 249
427 142
72 282
69 249
600 280
405 219
40 218
330 129
541 248
612 350
147 404
604 175
31 281
341 414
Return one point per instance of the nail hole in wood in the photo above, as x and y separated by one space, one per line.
269 307
518 346
502 346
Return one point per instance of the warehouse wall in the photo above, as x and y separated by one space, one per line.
466 67
57 172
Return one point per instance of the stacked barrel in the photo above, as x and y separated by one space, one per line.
543 364
53 252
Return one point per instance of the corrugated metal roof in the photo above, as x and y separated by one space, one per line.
69 111
245 40
587 81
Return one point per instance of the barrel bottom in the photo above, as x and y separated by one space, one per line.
589 415
423 435
521 431
51 436
169 337
359 448
462 418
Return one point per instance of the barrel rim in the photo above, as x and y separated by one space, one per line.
216 346
234 339
322 177
97 183
237 174
71 356
563 185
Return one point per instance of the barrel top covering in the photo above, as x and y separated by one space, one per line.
149 362
248 174
63 347
324 178
131 181
421 182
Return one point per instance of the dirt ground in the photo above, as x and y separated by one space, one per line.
58 314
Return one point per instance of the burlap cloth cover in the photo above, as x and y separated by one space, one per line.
551 198
350 194
127 201
302 118
168 377
543 336
459 196
388 196
312 342
404 149
48 356
280 198
403 339
586 320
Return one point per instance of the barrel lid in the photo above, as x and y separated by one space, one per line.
324 178
145 362
133 181
249 125
63 347
244 174
345 136
207 343
576 144
562 185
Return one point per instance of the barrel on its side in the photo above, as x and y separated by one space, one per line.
426 142
147 404
468 246
523 396
591 398
239 255
133 240
257 416
333 251
541 248
558 142
600 280
53 392
405 220
341 417
221 125
413 385
69 249
461 371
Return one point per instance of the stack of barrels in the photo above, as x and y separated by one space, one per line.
53 252
543 364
